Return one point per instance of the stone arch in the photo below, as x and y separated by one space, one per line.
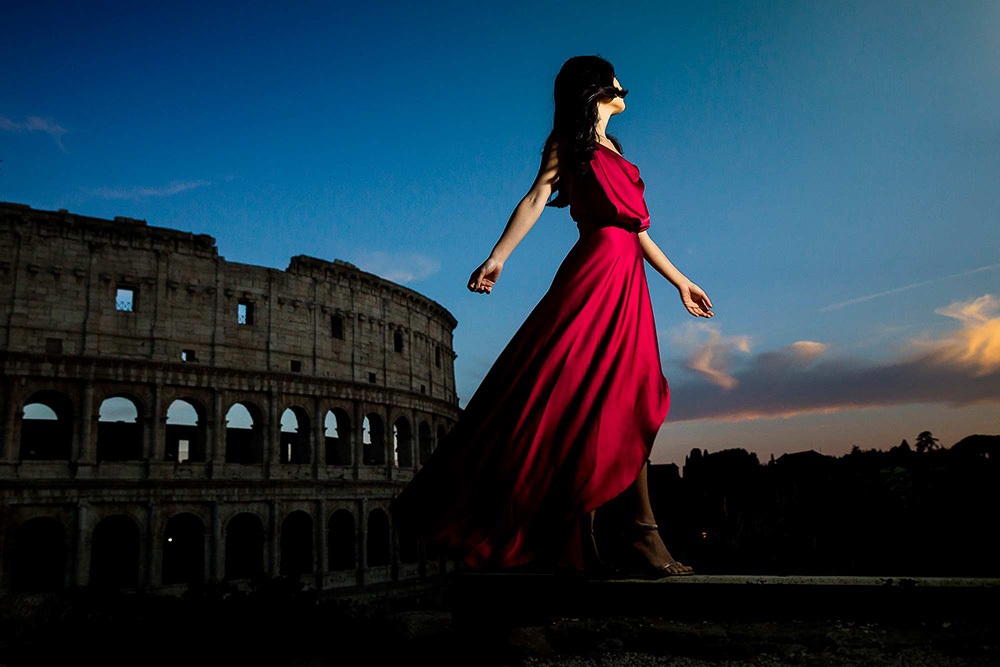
114 552
46 427
337 435
297 544
244 546
425 442
341 543
119 429
244 433
296 436
37 556
184 549
378 538
402 436
373 439
186 431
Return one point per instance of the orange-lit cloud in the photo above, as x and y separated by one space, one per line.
960 368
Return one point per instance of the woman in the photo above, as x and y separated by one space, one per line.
565 419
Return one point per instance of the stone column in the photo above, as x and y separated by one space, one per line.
217 435
154 451
216 550
7 447
358 434
388 446
363 541
319 441
84 449
414 439
272 539
148 573
81 544
272 434
321 547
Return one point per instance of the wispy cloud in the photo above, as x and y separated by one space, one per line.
35 124
398 267
860 299
137 192
960 368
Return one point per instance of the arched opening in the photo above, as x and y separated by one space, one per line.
244 546
184 550
38 556
426 442
244 433
295 440
46 427
338 438
114 554
186 431
341 542
402 438
297 544
119 430
378 538
373 440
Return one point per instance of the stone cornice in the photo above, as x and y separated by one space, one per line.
80 367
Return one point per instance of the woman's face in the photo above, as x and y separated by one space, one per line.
618 103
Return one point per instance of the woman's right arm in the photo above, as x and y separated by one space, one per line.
525 214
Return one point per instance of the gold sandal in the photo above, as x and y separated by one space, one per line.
648 572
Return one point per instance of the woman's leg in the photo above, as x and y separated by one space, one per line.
636 507
587 535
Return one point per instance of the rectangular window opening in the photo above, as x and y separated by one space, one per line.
244 312
125 299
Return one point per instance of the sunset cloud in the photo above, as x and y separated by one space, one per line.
959 368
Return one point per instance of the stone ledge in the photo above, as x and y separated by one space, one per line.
520 598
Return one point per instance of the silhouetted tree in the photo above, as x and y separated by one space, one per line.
926 442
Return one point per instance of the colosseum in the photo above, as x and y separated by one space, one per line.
170 417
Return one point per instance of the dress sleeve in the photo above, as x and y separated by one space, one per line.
625 189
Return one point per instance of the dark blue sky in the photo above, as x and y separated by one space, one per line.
827 172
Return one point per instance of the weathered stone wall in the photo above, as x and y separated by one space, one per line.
386 381
61 274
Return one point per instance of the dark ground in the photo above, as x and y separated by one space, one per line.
276 625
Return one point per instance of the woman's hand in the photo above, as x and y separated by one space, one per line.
485 277
695 300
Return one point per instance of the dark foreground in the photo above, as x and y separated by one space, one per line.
277 623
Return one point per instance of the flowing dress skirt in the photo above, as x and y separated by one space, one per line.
562 423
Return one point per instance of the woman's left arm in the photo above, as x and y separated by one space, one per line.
693 297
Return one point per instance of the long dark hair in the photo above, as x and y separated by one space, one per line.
582 83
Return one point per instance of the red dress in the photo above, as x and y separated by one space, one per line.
565 419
